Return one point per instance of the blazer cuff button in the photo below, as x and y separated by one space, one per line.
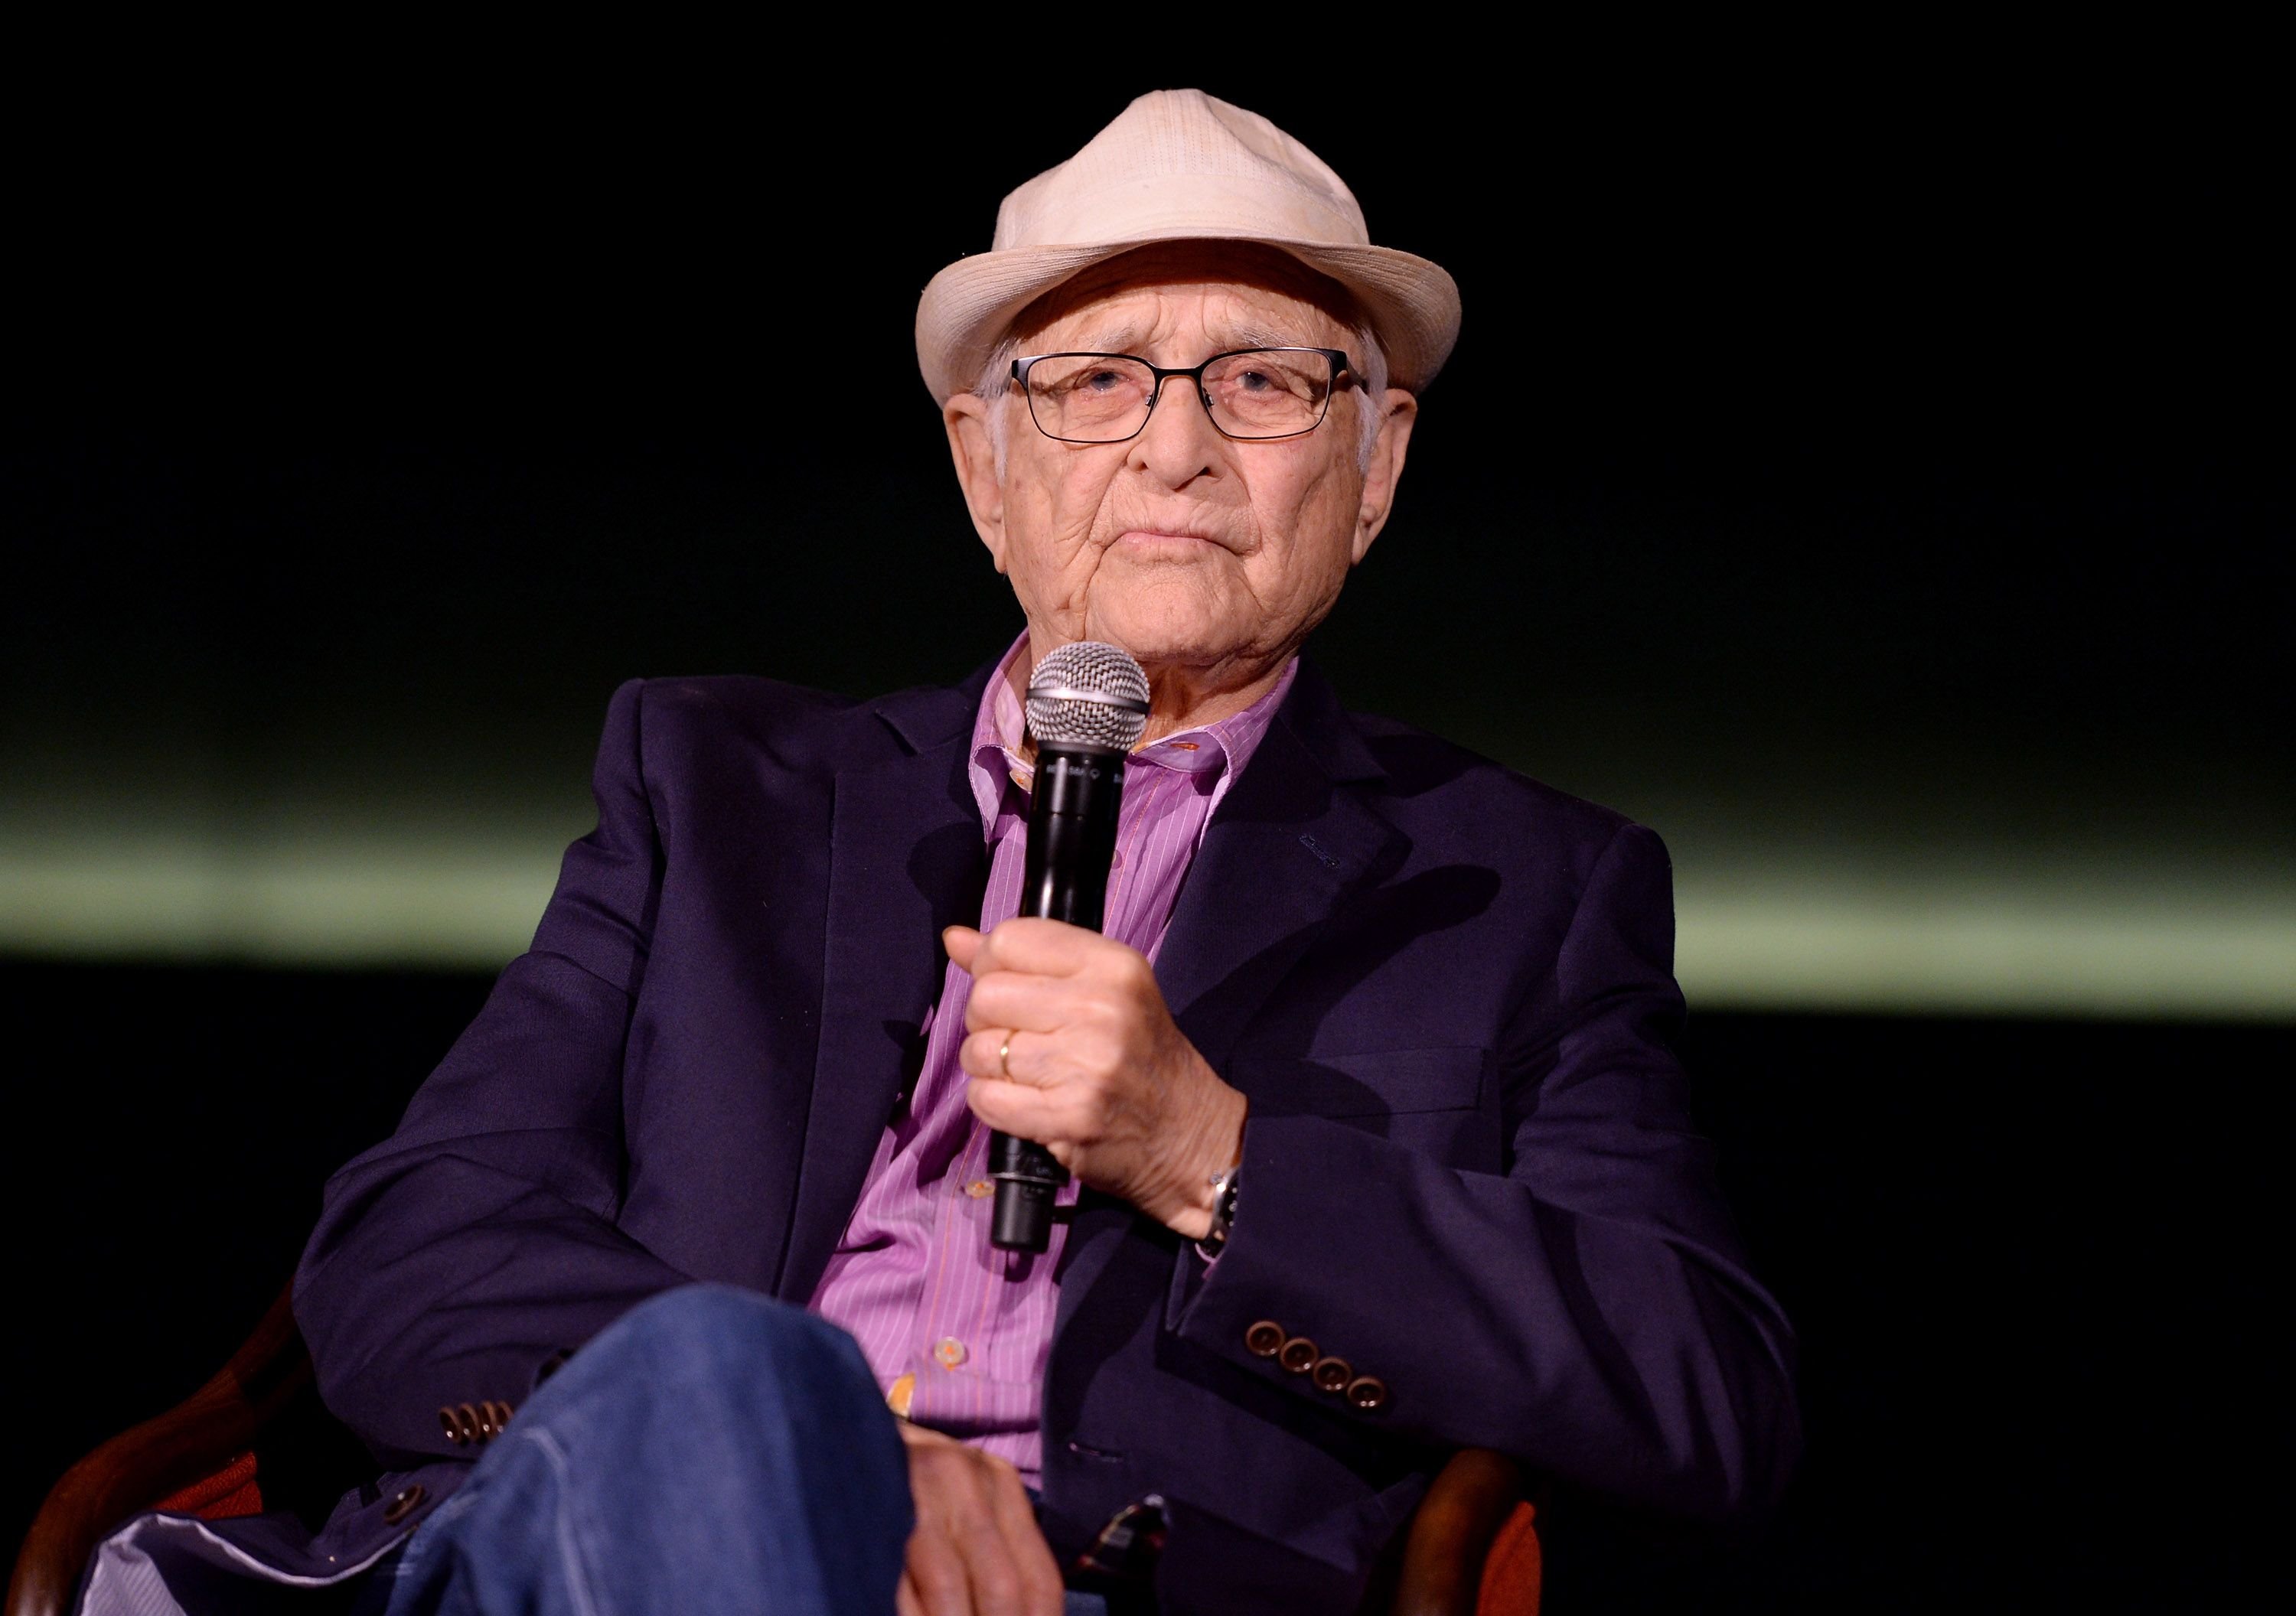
1298 1355
1264 1339
404 1505
1367 1393
1331 1375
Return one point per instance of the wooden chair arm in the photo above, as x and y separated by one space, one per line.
140 1466
1450 1536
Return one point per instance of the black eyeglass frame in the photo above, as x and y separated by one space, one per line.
1343 374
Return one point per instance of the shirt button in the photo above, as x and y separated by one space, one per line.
948 1352
979 1187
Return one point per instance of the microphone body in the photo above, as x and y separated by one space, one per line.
1072 816
1088 708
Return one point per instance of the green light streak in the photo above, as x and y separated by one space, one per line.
1756 937
372 906
1965 949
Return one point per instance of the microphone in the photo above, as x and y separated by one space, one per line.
1087 705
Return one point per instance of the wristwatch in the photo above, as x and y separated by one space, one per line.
1223 1212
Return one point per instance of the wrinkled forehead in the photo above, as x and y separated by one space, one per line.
1231 294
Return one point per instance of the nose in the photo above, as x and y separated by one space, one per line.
1179 444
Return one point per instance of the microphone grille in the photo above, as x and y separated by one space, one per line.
1088 694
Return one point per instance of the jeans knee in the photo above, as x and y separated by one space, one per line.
670 1383
711 1441
702 1308
724 1328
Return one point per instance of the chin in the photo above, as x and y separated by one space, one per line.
1155 636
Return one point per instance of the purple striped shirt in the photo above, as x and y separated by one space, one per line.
956 1331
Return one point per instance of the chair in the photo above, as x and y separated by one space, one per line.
256 1437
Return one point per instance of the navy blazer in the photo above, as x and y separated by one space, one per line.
1469 1169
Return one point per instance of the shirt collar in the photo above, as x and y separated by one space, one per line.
1211 750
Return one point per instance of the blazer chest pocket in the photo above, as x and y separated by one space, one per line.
1373 1083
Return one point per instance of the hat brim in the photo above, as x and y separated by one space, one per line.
967 308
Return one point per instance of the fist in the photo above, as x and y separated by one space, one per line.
1068 1042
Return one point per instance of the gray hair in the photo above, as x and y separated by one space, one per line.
995 382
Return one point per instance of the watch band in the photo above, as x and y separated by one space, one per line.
1223 1185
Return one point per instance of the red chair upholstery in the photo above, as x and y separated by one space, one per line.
230 1492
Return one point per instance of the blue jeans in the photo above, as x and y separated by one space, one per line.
714 1451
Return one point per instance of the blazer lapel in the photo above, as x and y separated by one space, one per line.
1290 840
906 858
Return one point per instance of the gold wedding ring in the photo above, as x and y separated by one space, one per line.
1005 1057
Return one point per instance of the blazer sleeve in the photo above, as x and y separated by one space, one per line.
457 1257
1588 1310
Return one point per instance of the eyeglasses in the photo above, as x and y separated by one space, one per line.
1250 394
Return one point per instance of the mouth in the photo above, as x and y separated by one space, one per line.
1170 541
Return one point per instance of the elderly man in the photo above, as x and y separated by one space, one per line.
1380 1149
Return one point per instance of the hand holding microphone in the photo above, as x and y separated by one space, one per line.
1101 1073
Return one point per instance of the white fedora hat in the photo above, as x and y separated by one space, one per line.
1181 166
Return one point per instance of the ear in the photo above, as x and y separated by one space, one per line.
972 446
1399 410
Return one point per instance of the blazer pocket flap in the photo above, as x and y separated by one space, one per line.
1382 1082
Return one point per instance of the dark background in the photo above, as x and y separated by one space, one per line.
1894 461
